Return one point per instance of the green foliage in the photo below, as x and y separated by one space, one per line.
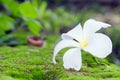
28 16
27 10
11 7
34 26
84 15
15 16
42 9
114 34
7 23
34 12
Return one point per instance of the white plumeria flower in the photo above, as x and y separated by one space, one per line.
86 38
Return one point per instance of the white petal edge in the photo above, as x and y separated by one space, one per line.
75 33
92 26
72 59
100 46
64 44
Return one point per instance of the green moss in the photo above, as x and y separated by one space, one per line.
29 63
34 63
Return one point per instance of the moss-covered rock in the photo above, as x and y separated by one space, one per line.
33 63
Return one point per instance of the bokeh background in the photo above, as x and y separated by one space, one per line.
43 21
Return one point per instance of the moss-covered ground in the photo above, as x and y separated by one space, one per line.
35 63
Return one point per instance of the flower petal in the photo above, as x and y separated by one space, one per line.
75 33
92 26
99 46
64 44
72 59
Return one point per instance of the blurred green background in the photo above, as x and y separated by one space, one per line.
47 19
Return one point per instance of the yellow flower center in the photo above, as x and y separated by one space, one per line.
83 43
